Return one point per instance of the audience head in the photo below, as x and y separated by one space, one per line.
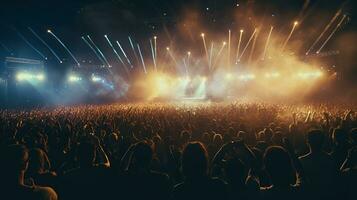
194 160
86 154
339 136
315 139
278 165
142 156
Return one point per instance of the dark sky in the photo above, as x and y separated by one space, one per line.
70 19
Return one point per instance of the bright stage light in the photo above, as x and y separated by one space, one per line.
25 76
310 75
246 77
229 76
96 79
74 78
272 75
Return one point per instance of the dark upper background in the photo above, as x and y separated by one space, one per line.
141 19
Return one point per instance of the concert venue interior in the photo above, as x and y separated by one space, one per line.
184 79
153 51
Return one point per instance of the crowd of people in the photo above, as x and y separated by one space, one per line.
179 151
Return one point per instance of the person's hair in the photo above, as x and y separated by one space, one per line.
142 155
217 139
185 136
13 159
339 136
86 153
278 164
353 135
315 139
194 160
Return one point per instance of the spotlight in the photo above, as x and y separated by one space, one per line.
272 75
74 78
310 75
247 77
229 76
26 76
96 78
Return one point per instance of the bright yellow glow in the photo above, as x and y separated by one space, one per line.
246 77
229 76
272 75
296 23
310 74
25 76
241 30
74 78
168 48
202 34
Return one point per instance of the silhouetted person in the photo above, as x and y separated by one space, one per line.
14 162
236 174
39 168
197 184
348 183
318 166
139 181
89 180
281 171
341 146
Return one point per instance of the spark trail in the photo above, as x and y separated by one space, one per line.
45 43
289 36
219 54
122 50
229 49
333 32
206 51
324 31
114 50
153 54
6 48
96 53
246 46
155 47
64 46
30 45
100 52
211 53
267 43
133 48
239 43
116 53
253 47
142 59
